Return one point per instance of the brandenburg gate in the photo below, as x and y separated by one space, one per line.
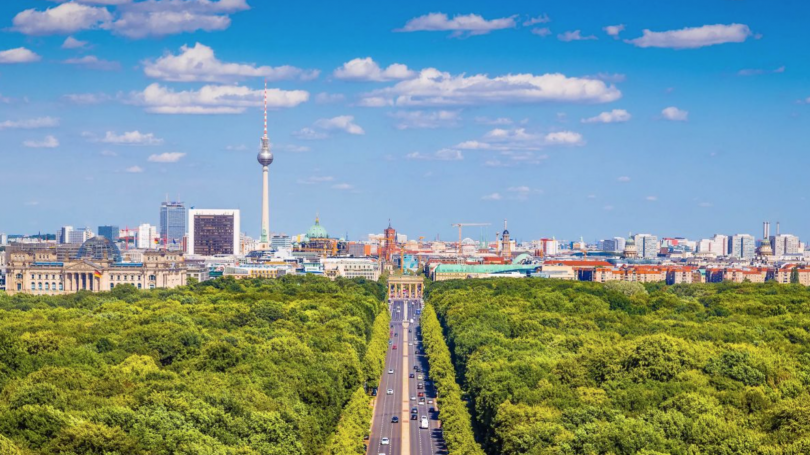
405 287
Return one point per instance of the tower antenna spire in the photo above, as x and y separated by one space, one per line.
265 109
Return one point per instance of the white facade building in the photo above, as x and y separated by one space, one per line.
785 244
351 268
647 246
146 236
742 246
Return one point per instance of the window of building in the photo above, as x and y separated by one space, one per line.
47 287
112 285
19 286
40 286
139 285
33 287
19 276
53 286
61 287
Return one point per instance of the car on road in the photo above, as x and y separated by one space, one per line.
395 346
395 419
385 441
410 344
413 398
420 377
414 410
389 392
410 375
424 422
413 416
421 394
422 400
390 371
421 385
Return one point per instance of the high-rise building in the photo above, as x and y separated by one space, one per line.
109 232
614 245
79 236
646 246
784 244
172 224
265 158
281 242
63 236
3 239
147 234
213 232
742 246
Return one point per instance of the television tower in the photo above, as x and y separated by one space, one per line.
265 158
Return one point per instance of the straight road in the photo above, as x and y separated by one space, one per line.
406 436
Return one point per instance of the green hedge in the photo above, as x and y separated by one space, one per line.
453 412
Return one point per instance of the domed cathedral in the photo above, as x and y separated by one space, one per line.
317 240
630 251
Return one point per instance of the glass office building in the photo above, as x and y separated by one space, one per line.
172 224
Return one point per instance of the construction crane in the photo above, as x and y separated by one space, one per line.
461 225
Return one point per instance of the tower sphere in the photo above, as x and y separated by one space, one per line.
265 156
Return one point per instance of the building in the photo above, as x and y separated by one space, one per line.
109 232
317 241
3 238
173 219
265 158
742 246
281 242
63 236
630 251
444 272
213 232
389 243
784 245
506 243
351 268
258 271
614 245
78 237
147 237
646 246
97 266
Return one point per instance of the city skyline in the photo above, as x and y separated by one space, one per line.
668 119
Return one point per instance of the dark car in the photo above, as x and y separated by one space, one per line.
410 375
413 416
414 410
374 392
395 419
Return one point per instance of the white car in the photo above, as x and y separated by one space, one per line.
384 441
389 392
410 344
391 371
413 398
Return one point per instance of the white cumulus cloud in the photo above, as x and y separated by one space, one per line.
73 43
541 19
48 142
18 55
342 123
492 197
471 24
435 88
134 169
366 69
424 119
694 37
199 63
168 157
541 31
445 154
214 99
674 114
61 20
614 116
170 17
131 138
575 35
93 62
614 30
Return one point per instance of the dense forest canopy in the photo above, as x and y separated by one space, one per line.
222 367
553 367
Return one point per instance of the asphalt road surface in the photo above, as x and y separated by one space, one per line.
406 436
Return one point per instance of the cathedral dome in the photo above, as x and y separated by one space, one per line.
316 231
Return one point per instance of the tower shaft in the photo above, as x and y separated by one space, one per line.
265 205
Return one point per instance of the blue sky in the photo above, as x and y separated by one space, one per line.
567 118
